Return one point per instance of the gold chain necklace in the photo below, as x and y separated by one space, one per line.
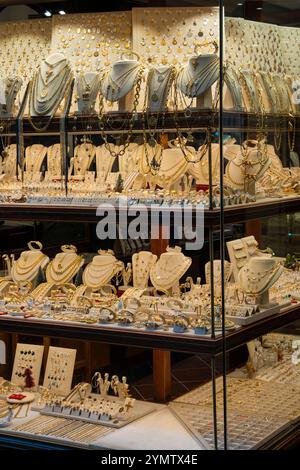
137 85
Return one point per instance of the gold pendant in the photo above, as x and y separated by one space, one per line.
44 93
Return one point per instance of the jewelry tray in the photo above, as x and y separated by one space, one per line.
139 410
264 313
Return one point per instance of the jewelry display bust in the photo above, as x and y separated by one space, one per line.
34 157
200 170
27 266
54 162
120 79
87 87
101 270
167 271
84 155
9 162
64 266
173 167
50 85
104 163
217 274
259 275
249 165
142 264
9 88
159 82
198 75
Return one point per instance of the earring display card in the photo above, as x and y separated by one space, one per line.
59 370
28 356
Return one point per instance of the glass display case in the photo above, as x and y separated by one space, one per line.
149 198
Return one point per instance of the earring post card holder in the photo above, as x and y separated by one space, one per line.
28 356
59 370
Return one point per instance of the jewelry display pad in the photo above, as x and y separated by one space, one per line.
27 356
247 43
169 35
244 431
23 44
58 430
266 406
290 57
140 409
59 370
92 40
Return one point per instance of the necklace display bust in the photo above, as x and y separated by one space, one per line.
9 88
101 270
200 73
27 267
142 263
9 162
50 85
159 81
64 266
84 155
259 275
87 86
167 271
120 79
34 157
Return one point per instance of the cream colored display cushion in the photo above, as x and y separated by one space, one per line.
27 356
59 370
28 398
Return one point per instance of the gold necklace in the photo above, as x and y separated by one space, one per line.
51 271
23 270
137 85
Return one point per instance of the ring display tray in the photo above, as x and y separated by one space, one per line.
139 410
256 410
58 431
245 432
263 313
